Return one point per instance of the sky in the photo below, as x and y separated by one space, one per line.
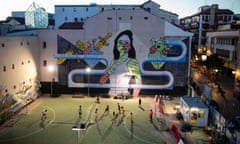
181 7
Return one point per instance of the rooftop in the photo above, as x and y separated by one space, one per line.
194 102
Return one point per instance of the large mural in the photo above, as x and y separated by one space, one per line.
117 63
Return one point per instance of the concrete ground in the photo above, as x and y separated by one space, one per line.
62 125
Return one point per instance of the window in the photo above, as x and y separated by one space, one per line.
28 43
4 68
29 61
22 63
194 115
119 18
13 67
62 9
148 9
220 18
131 17
201 113
66 18
21 43
75 19
3 45
109 18
74 10
44 45
86 9
225 18
145 18
44 62
223 53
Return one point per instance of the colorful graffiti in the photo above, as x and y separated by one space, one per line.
121 70
124 66
159 49
26 92
92 47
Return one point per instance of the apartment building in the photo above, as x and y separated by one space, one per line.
207 19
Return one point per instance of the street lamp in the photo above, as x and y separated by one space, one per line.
204 57
88 70
51 70
216 73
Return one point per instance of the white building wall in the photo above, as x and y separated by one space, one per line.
212 37
20 57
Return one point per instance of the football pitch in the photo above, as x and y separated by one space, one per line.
63 124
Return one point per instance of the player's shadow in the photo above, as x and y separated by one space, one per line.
42 124
99 130
120 121
78 120
141 108
132 131
107 132
155 126
103 115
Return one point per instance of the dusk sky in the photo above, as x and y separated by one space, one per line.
181 7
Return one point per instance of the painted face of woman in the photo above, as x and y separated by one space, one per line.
124 43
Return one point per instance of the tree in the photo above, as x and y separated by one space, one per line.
213 65
214 62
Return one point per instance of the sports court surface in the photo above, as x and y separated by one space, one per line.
63 123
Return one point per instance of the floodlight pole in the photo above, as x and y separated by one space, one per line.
88 84
51 69
51 87
88 71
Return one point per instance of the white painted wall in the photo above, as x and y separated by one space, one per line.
25 59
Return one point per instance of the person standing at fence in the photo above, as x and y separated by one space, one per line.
151 115
97 99
139 102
